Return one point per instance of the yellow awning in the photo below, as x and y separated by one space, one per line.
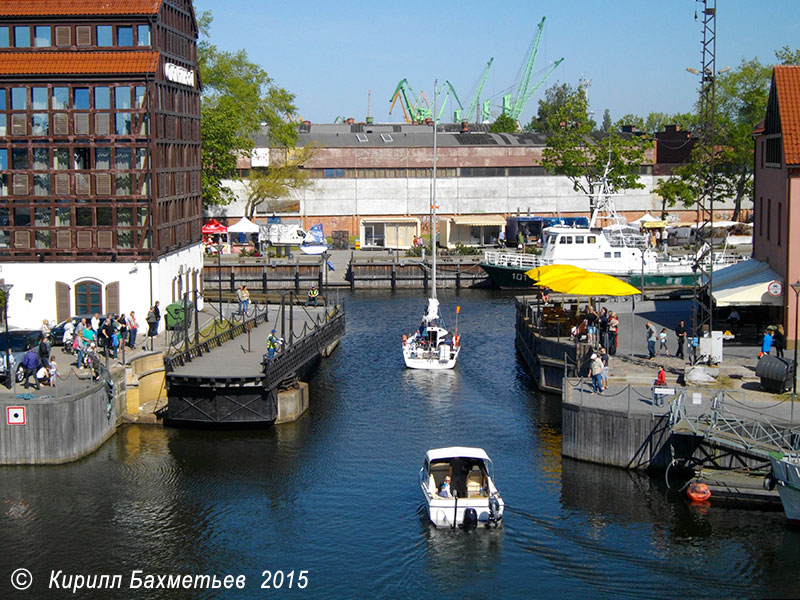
479 220
591 284
654 224
541 274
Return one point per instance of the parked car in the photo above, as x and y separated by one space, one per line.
57 332
19 340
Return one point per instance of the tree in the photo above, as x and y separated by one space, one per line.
238 96
787 56
554 99
274 186
575 151
608 125
504 124
680 187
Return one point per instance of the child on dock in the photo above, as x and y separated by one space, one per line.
662 341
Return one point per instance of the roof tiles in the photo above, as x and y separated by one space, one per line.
73 63
787 82
20 8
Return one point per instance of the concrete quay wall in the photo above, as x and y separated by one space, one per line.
60 430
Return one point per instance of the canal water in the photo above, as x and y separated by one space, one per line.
336 494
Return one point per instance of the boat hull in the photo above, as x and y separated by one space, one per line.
514 278
442 511
786 472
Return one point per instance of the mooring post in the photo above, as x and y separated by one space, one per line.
264 279
394 276
458 276
233 280
425 279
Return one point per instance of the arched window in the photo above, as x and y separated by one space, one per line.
88 298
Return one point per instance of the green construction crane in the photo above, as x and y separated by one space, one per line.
513 107
472 106
456 113
413 111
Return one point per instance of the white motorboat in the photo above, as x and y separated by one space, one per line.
475 498
314 241
786 474
432 346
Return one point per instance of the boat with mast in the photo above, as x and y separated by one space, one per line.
432 346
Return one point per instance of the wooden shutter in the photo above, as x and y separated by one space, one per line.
62 184
105 239
63 36
102 182
62 302
82 185
22 239
60 124
81 123
63 239
20 184
112 298
101 123
84 239
19 124
83 35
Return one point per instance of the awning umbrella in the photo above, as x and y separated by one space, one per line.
214 226
546 271
591 284
243 225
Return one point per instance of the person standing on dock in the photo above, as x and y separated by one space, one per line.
680 333
272 344
613 332
604 360
240 298
596 371
766 343
651 340
779 341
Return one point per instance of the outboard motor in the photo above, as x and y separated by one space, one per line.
494 511
470 518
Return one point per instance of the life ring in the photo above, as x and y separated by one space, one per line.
698 492
457 339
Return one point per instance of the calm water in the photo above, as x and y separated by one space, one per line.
336 493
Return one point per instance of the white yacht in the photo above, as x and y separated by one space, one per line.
432 346
473 497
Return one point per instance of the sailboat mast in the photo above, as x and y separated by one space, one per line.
433 191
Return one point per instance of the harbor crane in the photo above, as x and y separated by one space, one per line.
415 109
472 105
456 112
513 107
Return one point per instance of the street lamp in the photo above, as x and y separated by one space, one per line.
5 289
796 287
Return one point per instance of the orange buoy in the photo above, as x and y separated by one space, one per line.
404 339
698 492
457 339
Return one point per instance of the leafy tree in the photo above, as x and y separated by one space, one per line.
787 56
680 187
573 151
630 120
608 125
274 186
554 99
238 96
504 124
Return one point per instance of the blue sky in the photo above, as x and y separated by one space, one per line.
634 52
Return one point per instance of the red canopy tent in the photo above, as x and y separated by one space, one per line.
213 226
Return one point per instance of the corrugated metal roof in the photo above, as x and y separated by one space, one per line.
787 82
20 8
423 139
73 63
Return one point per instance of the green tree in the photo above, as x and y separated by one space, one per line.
554 99
274 186
680 187
238 96
575 151
504 124
786 56
608 124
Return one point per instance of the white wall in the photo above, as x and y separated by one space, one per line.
38 280
455 195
